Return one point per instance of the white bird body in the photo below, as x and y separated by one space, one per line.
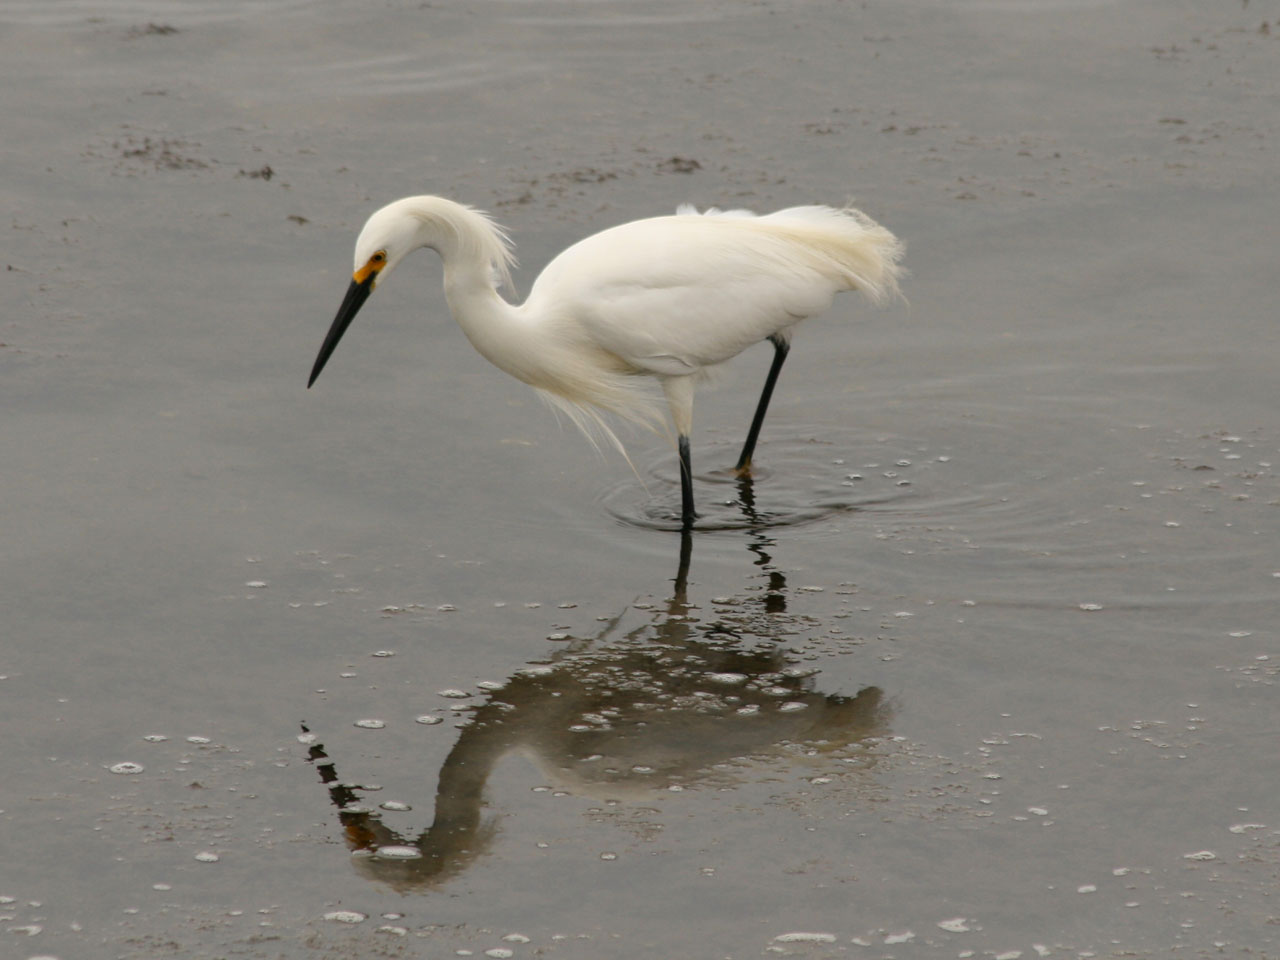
666 297
673 295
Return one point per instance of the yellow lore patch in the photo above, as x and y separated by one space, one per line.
376 263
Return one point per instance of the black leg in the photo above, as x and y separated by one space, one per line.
680 599
780 348
686 486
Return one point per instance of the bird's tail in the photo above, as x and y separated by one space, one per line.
846 244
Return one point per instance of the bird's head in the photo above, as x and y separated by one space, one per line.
387 238
460 234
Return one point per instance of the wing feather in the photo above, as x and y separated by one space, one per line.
671 295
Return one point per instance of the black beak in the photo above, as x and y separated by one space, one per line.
357 294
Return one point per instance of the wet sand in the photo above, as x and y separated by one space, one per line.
983 663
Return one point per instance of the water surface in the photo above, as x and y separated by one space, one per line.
982 663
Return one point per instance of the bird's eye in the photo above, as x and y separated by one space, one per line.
379 257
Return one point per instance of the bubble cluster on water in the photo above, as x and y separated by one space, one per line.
346 916
398 852
805 936
727 679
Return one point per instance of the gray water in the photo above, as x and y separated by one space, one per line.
982 664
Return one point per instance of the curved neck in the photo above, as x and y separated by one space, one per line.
476 258
525 341
495 328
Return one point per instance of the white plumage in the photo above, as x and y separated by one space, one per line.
666 297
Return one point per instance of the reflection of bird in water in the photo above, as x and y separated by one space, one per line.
673 702
666 297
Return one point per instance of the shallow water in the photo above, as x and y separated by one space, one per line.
983 662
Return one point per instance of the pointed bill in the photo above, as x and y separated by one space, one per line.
357 294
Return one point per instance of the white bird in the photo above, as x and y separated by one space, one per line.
665 297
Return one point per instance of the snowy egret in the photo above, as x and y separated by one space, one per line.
665 297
